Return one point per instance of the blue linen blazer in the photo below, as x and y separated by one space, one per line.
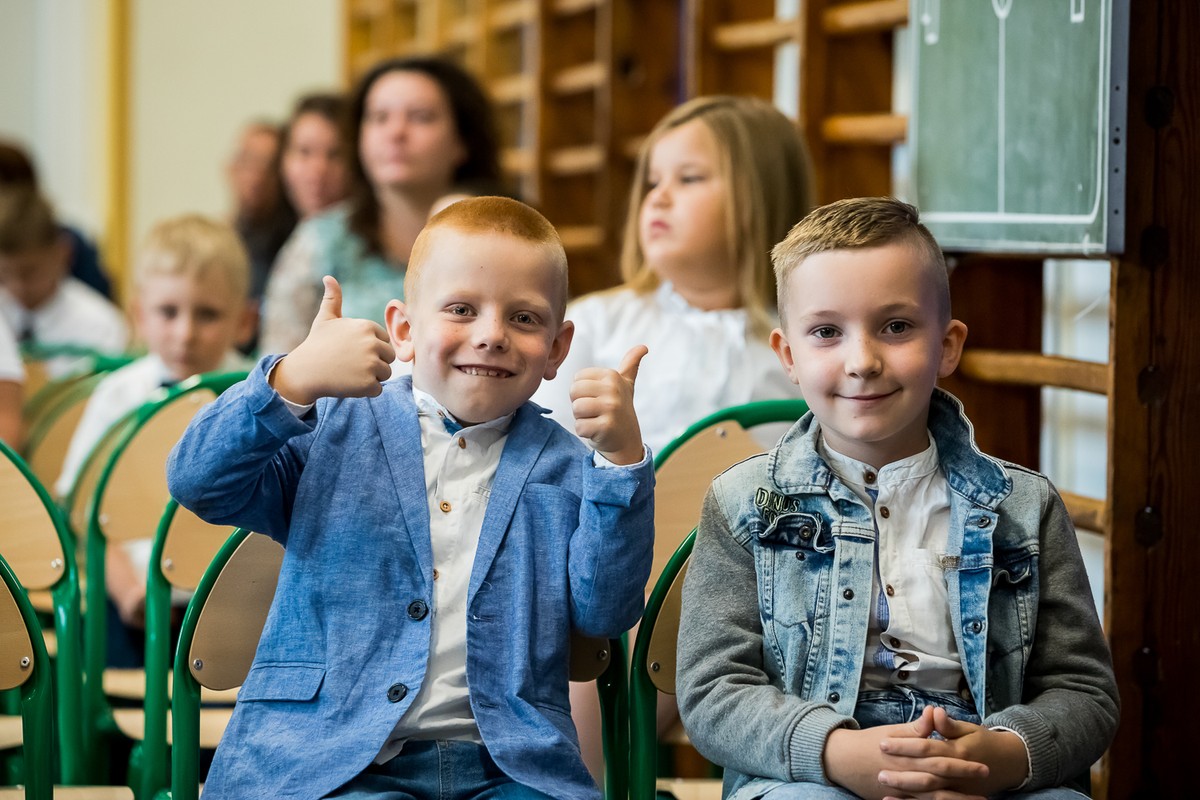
565 545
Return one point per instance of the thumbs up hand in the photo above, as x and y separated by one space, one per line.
602 402
341 357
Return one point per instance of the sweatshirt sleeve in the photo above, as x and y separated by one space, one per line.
733 713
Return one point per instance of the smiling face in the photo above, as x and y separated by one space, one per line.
482 324
682 222
866 341
408 139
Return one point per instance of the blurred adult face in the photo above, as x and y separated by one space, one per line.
408 141
314 173
254 187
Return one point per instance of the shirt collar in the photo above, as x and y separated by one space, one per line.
428 406
861 476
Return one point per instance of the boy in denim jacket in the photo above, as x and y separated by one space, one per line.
442 537
875 608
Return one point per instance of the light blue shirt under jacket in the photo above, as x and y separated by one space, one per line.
565 545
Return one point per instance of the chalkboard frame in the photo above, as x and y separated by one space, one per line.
948 213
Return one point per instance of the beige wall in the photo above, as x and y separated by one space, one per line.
201 69
198 70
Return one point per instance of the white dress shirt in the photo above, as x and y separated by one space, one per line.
11 368
910 637
699 361
75 314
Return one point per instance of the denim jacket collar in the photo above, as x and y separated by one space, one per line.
795 466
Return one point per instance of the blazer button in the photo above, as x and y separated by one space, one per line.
397 692
417 610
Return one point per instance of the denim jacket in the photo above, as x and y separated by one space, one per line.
777 600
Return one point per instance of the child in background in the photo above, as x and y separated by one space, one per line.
12 378
442 538
39 300
875 608
719 180
190 306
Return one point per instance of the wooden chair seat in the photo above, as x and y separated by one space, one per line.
213 721
74 793
689 789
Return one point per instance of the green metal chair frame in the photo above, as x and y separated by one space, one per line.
68 626
97 711
643 695
36 696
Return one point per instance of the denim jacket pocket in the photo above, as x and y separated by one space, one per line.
794 556
1012 608
297 682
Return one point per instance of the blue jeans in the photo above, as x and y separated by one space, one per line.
437 770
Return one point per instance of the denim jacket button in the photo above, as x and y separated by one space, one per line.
983 522
806 531
976 626
417 610
799 555
848 594
396 692
834 697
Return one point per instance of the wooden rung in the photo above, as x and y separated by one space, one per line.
581 237
512 15
1035 369
758 33
1087 513
567 7
516 161
368 10
511 89
865 128
580 78
575 160
461 31
865 17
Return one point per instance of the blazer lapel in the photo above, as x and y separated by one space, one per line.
396 416
526 440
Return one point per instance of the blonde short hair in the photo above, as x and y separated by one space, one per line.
861 222
483 215
194 246
765 163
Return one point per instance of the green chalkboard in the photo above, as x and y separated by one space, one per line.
1015 135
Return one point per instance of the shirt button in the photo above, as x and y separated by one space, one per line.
444 506
848 594
894 642
869 476
884 512
397 692
462 443
902 674
834 697
417 610
436 574
889 590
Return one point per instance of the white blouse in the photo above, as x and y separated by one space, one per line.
699 361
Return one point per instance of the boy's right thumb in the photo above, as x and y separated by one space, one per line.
331 303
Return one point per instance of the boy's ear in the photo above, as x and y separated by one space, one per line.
783 351
399 328
559 349
952 347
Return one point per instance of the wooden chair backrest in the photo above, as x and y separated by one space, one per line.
189 547
16 647
590 657
89 475
660 657
683 479
29 540
48 443
136 490
232 619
